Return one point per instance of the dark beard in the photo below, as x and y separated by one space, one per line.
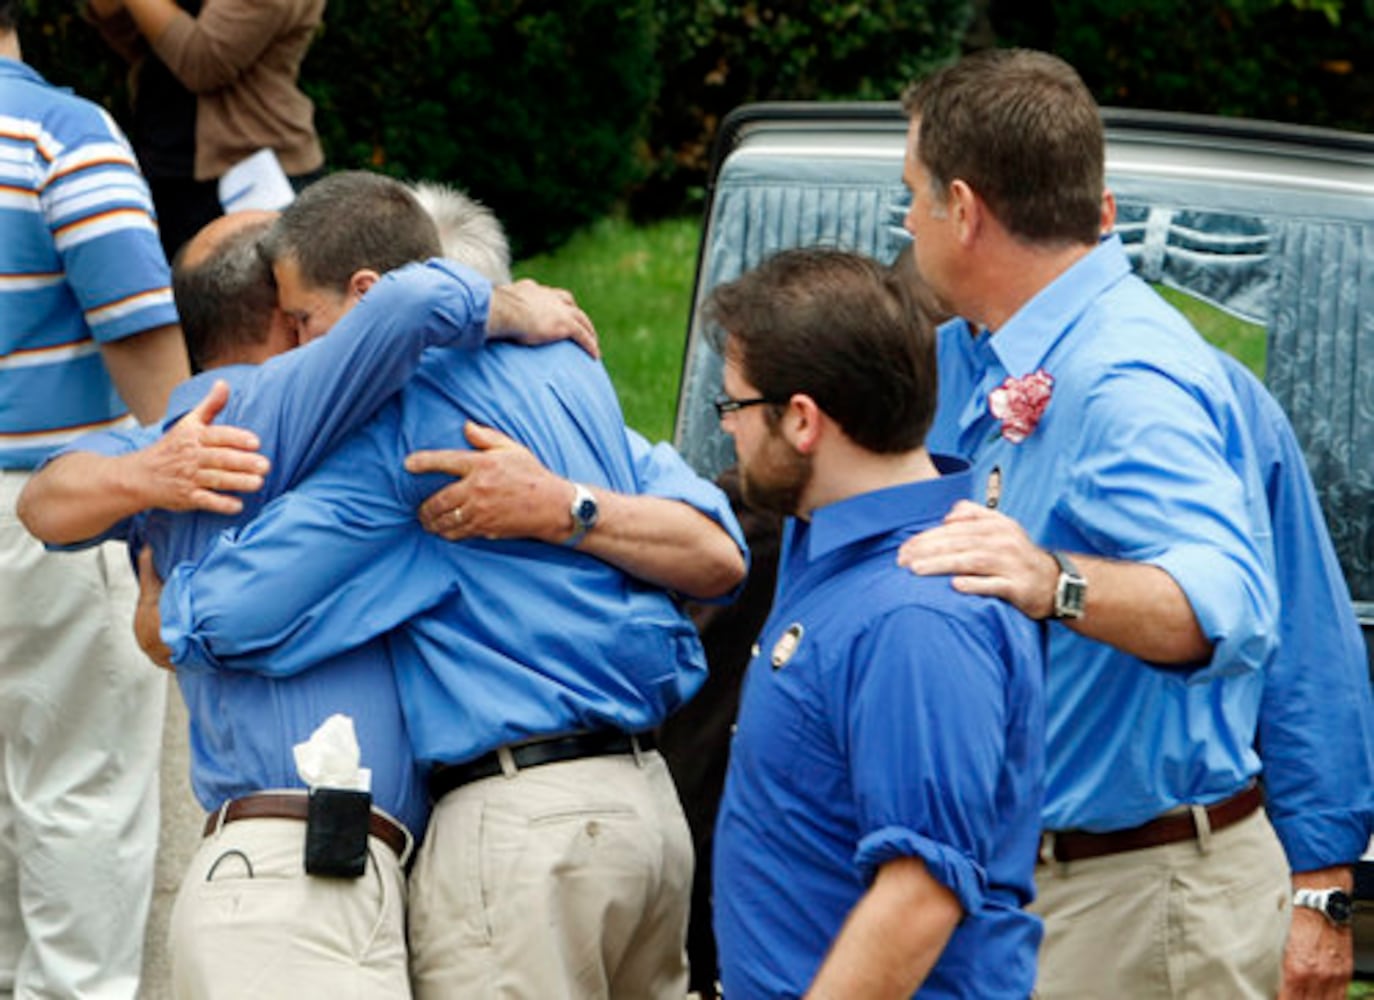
785 476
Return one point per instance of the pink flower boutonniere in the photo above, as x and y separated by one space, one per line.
1020 403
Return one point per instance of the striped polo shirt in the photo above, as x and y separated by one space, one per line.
80 264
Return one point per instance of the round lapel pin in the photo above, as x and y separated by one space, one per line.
786 646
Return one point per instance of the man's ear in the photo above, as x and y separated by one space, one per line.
801 423
1108 211
967 209
361 281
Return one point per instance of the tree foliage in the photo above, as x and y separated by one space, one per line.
717 55
537 107
552 112
1273 59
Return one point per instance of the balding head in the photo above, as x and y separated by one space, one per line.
225 293
213 236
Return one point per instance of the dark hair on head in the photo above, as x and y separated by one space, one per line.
225 301
9 15
350 221
840 328
1022 130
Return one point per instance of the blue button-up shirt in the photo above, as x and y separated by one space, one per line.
883 715
301 404
1316 721
502 640
1143 455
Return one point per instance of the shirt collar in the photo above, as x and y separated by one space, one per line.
1026 339
973 347
186 396
12 67
918 505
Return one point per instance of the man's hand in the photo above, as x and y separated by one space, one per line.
196 464
503 491
530 313
1319 958
987 553
147 617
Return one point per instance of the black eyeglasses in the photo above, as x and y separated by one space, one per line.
729 404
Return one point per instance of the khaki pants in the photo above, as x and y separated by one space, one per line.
568 880
248 921
80 733
1204 918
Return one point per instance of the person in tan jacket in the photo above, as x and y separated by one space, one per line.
214 81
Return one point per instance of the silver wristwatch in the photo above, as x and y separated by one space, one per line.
1334 904
584 511
1070 590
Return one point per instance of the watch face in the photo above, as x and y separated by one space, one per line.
586 511
1069 598
1338 907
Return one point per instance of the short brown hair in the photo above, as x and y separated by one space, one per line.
350 221
840 328
1022 130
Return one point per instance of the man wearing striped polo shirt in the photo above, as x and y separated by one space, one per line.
87 332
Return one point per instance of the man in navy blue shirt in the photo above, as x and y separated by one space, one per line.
530 669
881 809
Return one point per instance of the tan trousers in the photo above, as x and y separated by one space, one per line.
248 922
568 880
80 733
1205 919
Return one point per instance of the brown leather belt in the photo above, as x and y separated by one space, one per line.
296 805
444 778
1079 845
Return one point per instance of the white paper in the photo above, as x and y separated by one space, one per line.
258 182
330 758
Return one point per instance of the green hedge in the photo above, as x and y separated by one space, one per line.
537 108
1269 60
718 55
552 112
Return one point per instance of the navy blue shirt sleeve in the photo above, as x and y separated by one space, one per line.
921 720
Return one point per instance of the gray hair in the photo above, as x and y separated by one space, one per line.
469 231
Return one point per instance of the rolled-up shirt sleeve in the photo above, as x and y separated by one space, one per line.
1152 483
923 724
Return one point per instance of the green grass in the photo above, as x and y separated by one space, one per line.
636 284
1245 341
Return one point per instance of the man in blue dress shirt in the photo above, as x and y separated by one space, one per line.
246 917
1316 717
557 861
881 810
1130 512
